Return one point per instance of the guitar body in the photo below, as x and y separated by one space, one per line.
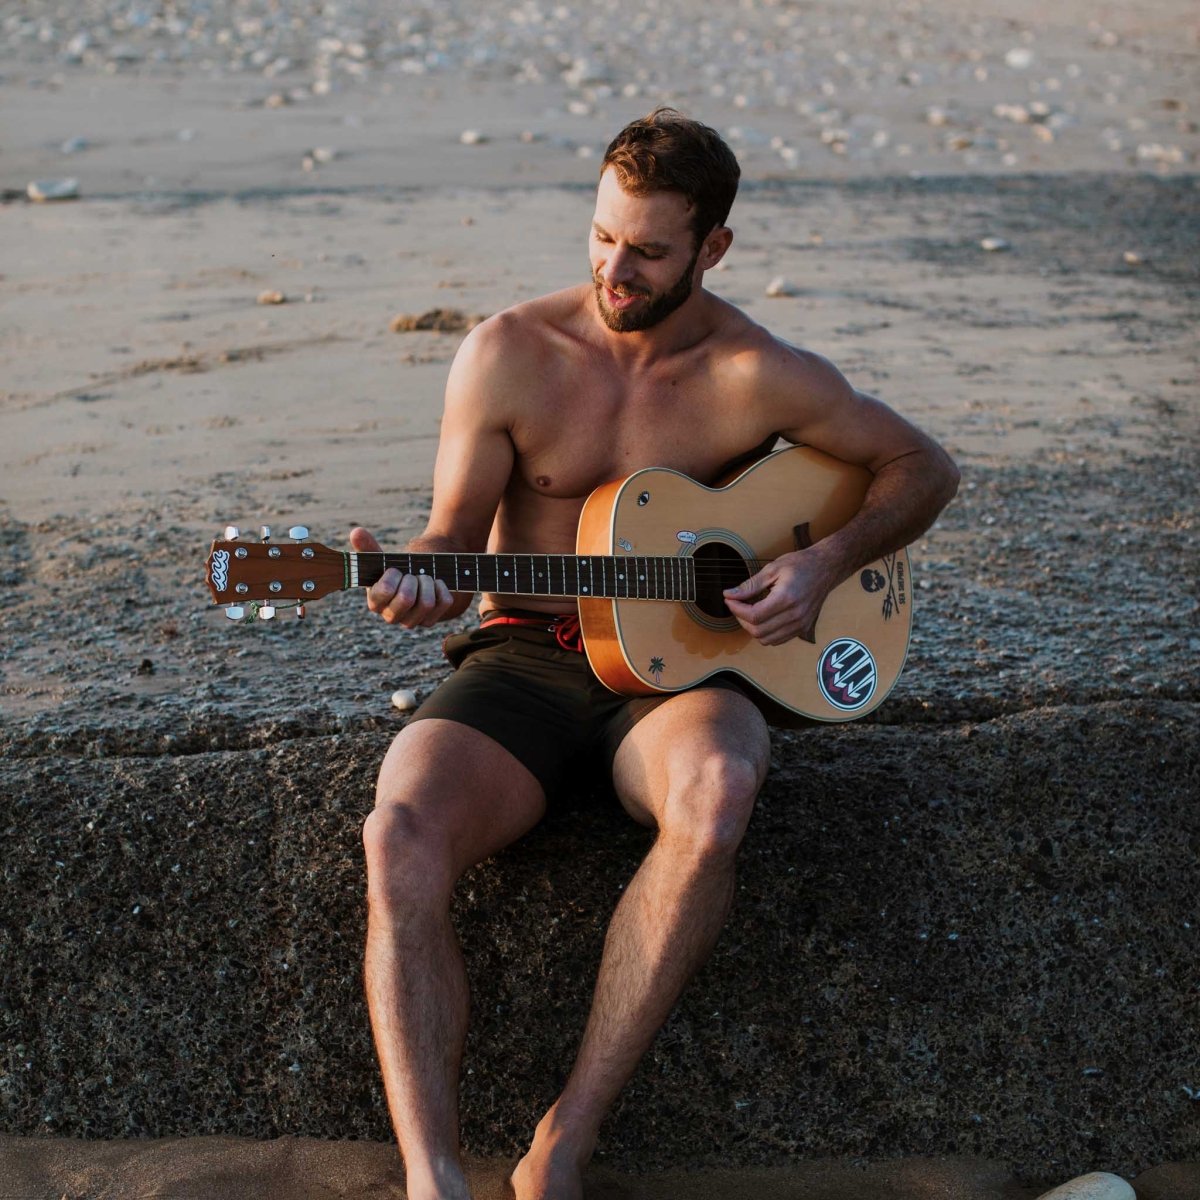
787 500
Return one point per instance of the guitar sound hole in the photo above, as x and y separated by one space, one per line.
718 567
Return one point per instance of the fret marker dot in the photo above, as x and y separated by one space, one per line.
505 574
620 576
585 589
466 572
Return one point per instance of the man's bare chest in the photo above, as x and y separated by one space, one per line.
600 433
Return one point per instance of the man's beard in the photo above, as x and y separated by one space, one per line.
646 316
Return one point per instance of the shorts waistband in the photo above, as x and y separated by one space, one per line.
564 626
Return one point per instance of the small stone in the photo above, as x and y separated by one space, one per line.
324 154
74 145
992 244
1019 58
276 100
472 137
1155 152
271 297
1099 1185
937 116
76 46
1012 112
1132 258
404 700
779 287
1043 133
42 190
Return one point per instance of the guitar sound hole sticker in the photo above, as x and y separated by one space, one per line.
846 674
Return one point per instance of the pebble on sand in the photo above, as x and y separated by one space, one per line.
271 297
43 190
404 700
779 288
1099 1185
318 157
472 137
993 244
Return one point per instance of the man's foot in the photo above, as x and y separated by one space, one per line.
553 1167
546 1179
443 1182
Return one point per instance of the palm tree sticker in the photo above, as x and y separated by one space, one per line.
657 667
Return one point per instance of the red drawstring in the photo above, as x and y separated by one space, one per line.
568 633
564 627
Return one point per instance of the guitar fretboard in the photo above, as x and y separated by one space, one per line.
629 577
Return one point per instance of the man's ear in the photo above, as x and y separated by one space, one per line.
715 246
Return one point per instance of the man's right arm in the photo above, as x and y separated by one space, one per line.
474 462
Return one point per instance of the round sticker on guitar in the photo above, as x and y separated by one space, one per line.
846 674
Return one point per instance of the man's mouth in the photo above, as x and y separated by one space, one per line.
619 300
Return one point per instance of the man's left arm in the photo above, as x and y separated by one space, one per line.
914 479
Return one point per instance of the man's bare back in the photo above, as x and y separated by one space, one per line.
545 402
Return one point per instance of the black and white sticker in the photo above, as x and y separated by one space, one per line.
846 674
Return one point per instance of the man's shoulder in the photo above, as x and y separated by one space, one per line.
747 345
529 325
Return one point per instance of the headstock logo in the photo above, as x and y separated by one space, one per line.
846 674
220 569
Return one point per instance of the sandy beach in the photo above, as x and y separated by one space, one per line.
962 961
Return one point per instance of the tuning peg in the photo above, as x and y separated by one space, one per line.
266 612
266 533
298 533
232 533
235 612
300 611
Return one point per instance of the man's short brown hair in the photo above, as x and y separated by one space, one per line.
668 152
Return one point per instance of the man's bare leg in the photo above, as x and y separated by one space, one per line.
448 797
693 767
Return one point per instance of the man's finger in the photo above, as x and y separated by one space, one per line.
748 588
363 539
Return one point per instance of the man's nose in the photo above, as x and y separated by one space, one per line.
618 267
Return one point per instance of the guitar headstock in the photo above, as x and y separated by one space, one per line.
253 579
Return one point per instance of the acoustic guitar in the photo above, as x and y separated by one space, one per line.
654 553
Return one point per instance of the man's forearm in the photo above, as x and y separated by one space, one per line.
902 502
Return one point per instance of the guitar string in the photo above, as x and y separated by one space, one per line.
699 564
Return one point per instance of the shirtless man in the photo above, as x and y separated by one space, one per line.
545 401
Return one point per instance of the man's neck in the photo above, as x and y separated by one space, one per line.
685 328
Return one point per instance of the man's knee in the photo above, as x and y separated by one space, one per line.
710 804
408 857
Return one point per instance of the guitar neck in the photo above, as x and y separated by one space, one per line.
629 577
